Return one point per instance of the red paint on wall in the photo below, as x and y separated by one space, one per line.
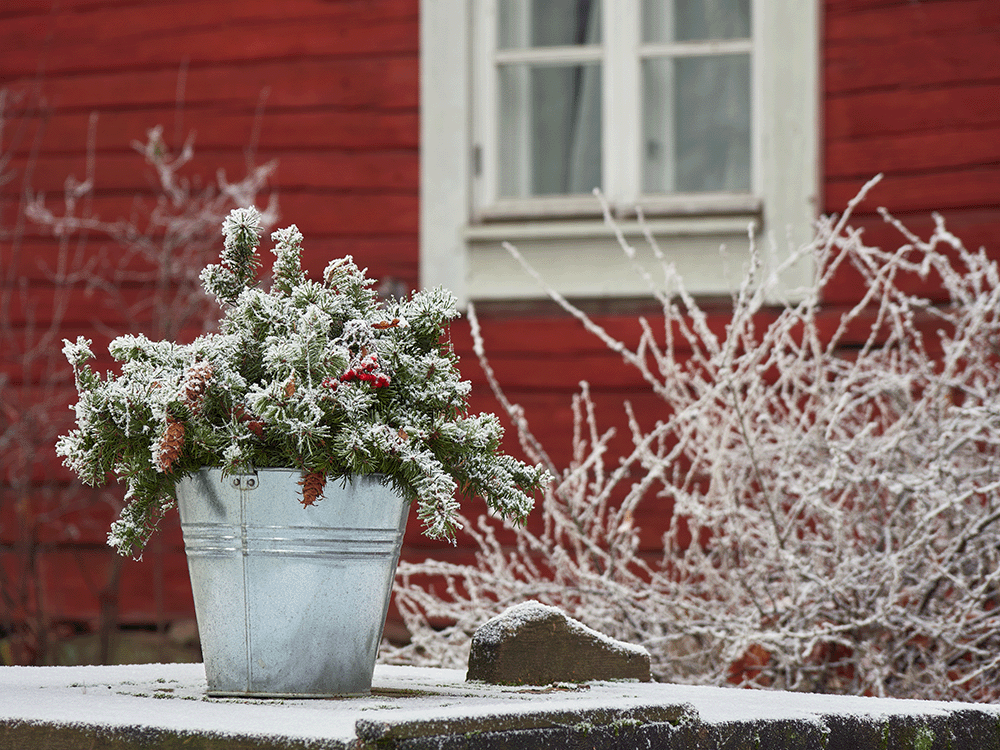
331 90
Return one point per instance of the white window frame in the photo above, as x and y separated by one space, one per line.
463 223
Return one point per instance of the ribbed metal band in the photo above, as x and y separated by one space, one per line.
212 539
223 540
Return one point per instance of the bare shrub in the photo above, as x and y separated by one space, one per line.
835 507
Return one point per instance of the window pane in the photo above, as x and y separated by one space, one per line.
549 129
547 23
688 20
696 122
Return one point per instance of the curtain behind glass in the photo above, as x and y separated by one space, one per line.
550 115
696 109
699 108
548 23
692 20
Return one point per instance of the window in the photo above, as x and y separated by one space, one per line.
543 135
702 112
694 62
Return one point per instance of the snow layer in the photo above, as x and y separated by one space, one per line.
172 697
515 618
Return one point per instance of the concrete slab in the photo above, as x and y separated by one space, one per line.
165 706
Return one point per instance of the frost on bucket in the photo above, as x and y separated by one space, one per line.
315 376
837 469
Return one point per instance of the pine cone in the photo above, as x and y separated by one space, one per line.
313 484
172 444
195 383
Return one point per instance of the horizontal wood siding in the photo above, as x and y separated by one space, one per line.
328 90
911 92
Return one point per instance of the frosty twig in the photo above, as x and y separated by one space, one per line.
835 490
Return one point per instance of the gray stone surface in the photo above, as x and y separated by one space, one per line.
521 726
34 736
534 644
165 706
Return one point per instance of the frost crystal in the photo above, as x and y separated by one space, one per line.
318 377
77 353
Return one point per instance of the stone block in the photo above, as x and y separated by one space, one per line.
534 644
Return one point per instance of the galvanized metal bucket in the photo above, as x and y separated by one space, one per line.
290 600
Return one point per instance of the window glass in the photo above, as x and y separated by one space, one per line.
696 118
692 20
547 23
549 129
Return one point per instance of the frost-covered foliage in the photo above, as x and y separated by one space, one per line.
835 509
317 376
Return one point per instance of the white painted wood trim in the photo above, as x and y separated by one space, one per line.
622 132
598 229
682 204
697 49
786 80
445 143
550 55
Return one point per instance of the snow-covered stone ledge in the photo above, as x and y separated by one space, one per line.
164 706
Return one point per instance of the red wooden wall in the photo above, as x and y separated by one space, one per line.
330 89
911 90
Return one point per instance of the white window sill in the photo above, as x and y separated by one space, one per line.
583 258
583 206
512 231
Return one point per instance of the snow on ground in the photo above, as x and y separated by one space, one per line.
172 697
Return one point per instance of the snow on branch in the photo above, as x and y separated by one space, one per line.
835 490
